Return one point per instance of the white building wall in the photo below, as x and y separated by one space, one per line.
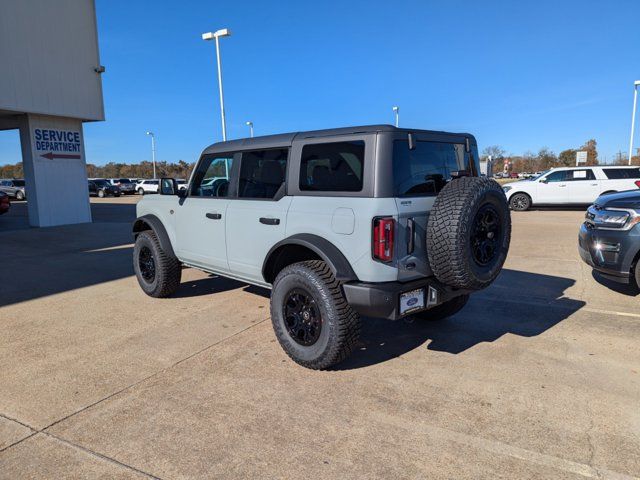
48 53
56 187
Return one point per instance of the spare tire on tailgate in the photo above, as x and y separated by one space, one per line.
468 233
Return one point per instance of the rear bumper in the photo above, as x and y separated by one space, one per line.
382 300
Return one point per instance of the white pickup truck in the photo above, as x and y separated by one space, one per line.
571 186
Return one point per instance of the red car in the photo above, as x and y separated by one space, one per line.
513 175
4 203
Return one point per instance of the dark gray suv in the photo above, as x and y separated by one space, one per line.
13 187
609 238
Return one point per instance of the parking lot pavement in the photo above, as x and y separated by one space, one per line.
538 377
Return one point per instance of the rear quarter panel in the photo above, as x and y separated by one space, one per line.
333 218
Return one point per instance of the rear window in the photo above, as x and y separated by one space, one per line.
18 183
332 167
618 173
426 169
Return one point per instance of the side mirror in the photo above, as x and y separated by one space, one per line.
168 186
544 180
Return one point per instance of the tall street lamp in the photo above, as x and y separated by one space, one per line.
225 32
153 152
633 117
250 125
396 110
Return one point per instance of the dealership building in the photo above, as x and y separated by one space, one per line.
49 86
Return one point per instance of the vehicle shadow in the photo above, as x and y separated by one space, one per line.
628 289
488 316
207 286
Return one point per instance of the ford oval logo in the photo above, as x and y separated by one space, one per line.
412 301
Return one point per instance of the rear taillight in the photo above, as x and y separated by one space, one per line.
637 182
383 238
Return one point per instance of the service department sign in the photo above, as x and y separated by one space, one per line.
53 143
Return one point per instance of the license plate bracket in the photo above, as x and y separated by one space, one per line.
412 301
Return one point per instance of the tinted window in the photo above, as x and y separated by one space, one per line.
556 176
18 183
617 173
124 180
211 178
332 167
427 168
576 175
262 173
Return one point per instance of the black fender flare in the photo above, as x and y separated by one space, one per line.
151 222
327 251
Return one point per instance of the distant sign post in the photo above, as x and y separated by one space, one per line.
581 157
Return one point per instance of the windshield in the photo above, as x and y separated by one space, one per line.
533 179
426 169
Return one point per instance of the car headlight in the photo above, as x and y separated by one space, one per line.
506 188
612 218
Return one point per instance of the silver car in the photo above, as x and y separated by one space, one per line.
13 187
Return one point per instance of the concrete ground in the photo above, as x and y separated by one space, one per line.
538 377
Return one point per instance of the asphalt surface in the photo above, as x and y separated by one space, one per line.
538 377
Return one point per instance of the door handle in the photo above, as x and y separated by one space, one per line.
594 184
564 185
270 221
214 216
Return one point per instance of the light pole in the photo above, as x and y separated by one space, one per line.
225 32
396 110
153 152
250 125
633 117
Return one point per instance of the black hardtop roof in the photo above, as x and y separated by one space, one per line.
286 139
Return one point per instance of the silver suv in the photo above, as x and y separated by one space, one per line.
13 187
374 221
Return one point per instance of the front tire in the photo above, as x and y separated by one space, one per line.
158 273
520 202
447 309
140 191
100 193
312 320
19 195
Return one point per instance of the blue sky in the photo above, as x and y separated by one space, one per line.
519 74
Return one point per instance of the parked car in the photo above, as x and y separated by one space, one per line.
513 175
13 187
100 187
609 238
338 224
5 204
147 186
571 186
182 184
126 185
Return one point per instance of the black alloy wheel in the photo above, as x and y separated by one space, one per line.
302 317
147 264
486 235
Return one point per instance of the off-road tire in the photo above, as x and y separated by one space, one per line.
451 232
340 324
447 309
168 270
520 202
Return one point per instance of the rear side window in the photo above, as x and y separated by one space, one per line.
577 175
426 169
621 173
332 167
262 173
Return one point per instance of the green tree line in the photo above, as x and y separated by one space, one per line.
545 158
181 169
